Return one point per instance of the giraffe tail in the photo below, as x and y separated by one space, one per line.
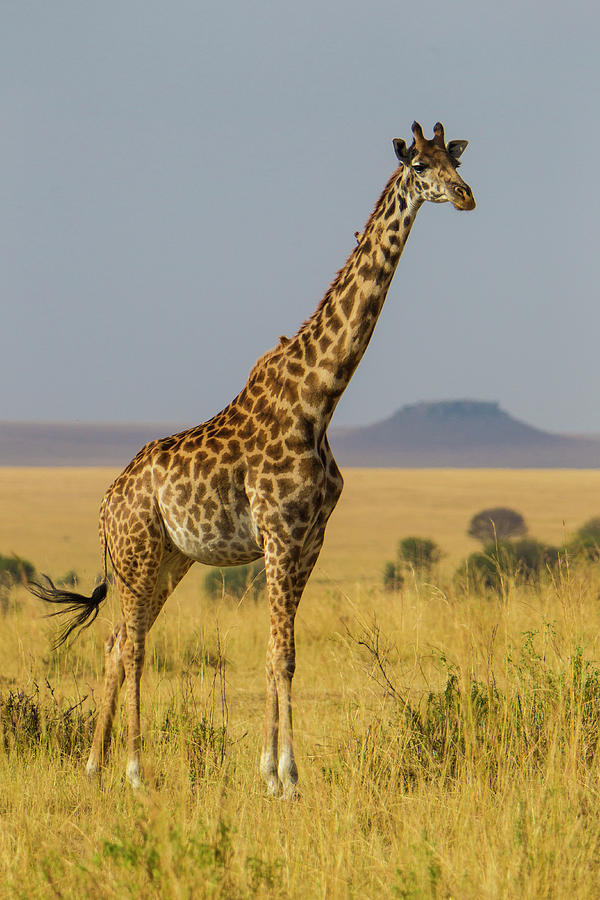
83 609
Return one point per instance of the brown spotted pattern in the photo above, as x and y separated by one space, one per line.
259 479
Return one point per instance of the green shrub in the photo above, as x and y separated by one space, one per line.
415 554
418 553
69 580
586 543
523 560
237 581
584 548
30 723
393 578
590 529
534 557
14 570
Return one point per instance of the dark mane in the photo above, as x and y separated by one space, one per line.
338 277
269 355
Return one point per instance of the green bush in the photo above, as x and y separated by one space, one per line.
236 581
69 580
14 570
30 723
590 529
417 553
585 548
393 578
523 560
586 543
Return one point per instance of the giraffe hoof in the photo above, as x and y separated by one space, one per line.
133 775
274 786
291 792
92 769
268 772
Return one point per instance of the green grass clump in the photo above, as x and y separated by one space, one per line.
475 729
30 723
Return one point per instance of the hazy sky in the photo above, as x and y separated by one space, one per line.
181 181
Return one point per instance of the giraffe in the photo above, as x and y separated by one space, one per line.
257 480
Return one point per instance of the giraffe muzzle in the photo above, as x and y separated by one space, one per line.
463 197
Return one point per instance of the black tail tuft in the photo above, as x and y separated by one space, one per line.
83 607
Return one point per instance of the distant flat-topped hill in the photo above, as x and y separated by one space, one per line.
460 433
452 433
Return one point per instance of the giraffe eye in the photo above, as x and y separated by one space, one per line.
419 167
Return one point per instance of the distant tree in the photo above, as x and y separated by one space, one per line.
235 581
499 523
418 553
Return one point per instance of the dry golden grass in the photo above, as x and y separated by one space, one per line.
494 794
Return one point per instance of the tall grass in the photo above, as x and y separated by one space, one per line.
448 748
447 741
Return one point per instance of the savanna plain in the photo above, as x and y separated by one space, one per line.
447 734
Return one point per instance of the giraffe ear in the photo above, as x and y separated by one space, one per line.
401 150
457 148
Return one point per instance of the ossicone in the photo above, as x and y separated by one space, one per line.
455 149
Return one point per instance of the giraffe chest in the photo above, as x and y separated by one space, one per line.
215 528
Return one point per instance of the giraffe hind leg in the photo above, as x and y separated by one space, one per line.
138 620
113 679
125 659
172 569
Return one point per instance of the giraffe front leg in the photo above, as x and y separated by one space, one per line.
278 766
288 569
268 757
287 768
284 665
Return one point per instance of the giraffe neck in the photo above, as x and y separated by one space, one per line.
324 354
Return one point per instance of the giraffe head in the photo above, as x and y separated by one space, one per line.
432 165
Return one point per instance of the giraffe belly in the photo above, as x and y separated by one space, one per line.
222 541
